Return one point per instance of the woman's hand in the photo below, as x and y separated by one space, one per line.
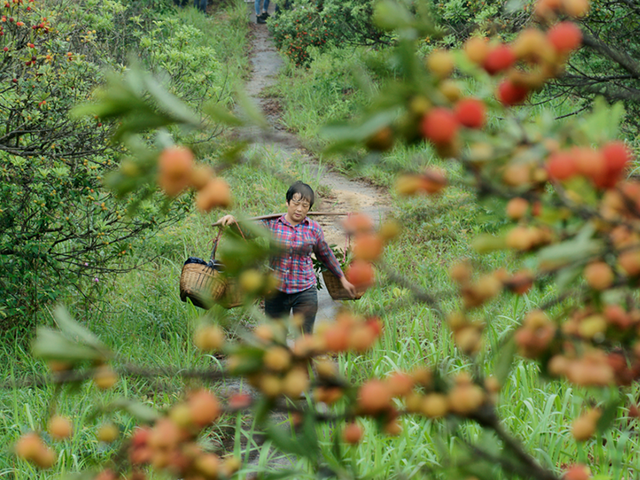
348 286
226 220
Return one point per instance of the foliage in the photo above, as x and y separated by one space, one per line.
59 226
328 23
567 211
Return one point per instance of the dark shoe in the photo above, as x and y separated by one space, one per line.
260 20
265 15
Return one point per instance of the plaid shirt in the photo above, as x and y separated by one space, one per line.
294 268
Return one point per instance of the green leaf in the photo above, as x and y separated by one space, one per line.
281 474
250 109
504 363
138 410
390 15
170 104
285 442
68 325
51 344
218 113
609 414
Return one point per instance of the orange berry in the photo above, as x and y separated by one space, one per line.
104 377
465 398
589 162
517 208
204 406
358 222
208 464
295 382
629 261
374 396
510 94
277 358
440 126
561 166
576 8
408 184
441 63
208 338
565 36
500 58
352 433
216 193
60 427
617 156
435 405
476 49
577 472
360 273
400 384
433 181
108 433
29 446
583 428
471 112
174 169
598 275
367 247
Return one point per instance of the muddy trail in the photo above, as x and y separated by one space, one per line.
346 195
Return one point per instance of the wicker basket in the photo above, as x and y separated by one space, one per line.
335 288
205 285
202 284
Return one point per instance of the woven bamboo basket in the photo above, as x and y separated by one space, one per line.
205 285
202 284
335 288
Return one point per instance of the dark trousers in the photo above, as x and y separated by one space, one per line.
303 303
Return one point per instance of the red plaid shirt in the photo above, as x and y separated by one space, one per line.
294 268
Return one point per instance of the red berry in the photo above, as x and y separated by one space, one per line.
565 36
511 94
440 126
499 59
471 112
561 166
6 49
616 155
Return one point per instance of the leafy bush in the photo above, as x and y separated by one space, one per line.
322 25
58 226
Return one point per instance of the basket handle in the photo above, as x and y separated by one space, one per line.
215 243
217 239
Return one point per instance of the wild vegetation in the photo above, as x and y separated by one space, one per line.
499 339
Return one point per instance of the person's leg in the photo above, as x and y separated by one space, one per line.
265 6
306 304
277 306
257 4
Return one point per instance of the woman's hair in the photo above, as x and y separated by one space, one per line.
305 191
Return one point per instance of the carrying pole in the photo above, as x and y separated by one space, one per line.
277 215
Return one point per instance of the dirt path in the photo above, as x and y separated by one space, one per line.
346 195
